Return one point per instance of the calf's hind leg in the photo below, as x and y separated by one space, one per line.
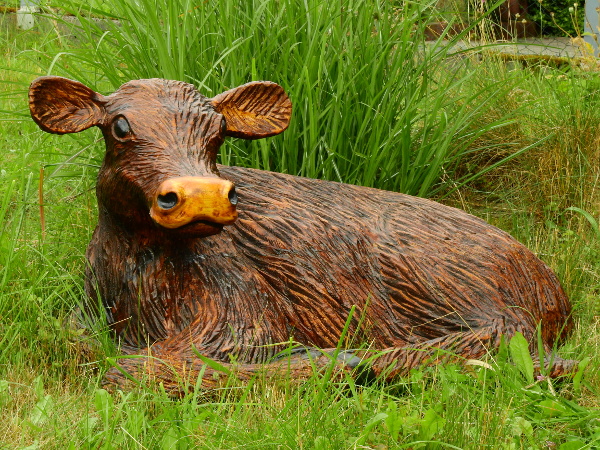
458 347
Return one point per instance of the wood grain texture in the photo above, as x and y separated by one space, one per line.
260 106
60 106
195 199
301 254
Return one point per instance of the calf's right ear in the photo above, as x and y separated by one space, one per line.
59 105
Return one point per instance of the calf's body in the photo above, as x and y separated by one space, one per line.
292 259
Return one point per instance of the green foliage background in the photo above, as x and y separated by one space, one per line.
555 18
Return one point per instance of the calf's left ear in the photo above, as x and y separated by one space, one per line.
59 105
255 110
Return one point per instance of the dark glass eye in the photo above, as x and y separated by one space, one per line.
223 125
121 128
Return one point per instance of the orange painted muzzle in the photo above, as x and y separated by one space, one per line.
185 200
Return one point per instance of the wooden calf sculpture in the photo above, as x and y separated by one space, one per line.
232 261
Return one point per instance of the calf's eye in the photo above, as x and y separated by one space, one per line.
223 125
121 128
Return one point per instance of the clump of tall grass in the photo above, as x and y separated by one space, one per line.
373 104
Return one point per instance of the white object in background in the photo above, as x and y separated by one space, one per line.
25 18
591 23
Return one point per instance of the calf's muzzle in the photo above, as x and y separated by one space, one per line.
186 200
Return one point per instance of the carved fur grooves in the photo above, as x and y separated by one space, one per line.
302 252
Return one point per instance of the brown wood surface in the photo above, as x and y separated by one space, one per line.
301 254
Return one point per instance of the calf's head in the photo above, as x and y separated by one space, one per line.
162 139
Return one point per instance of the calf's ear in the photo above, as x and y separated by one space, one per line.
60 106
255 110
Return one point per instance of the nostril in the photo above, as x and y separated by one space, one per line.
233 198
167 201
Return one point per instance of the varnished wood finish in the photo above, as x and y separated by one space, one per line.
196 198
301 253
62 106
261 106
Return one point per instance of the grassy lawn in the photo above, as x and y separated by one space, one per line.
388 114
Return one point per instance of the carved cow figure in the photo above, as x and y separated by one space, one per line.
236 262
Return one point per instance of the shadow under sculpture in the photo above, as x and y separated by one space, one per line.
234 262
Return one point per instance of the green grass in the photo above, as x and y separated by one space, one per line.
355 71
51 394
